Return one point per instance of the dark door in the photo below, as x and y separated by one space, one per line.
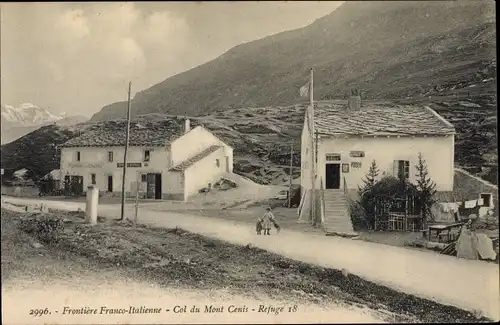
77 185
151 182
67 185
110 183
158 186
332 177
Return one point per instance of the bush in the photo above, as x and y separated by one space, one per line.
386 191
45 228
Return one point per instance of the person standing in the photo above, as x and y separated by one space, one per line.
268 221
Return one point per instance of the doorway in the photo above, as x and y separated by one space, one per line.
153 186
227 164
73 185
110 183
332 176
158 187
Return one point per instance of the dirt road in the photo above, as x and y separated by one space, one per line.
424 274
59 283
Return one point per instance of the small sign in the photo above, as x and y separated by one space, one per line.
333 157
85 165
345 168
357 154
129 165
356 164
2 171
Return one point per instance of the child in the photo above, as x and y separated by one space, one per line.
258 226
267 221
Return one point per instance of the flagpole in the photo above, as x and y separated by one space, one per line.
127 135
313 165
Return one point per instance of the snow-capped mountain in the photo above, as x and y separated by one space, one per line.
27 117
28 114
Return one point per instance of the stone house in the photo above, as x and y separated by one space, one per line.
350 136
171 162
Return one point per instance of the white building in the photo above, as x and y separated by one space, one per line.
350 136
170 162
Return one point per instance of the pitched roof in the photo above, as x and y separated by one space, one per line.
55 174
142 133
379 119
191 161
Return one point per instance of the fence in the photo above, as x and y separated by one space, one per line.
398 214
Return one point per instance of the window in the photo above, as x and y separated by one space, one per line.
401 169
110 156
487 201
144 177
217 162
146 155
333 157
78 156
92 176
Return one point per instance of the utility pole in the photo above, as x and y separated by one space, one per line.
291 177
313 165
127 135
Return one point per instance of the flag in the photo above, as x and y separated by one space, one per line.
304 90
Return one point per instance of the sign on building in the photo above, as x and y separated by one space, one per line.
2 171
129 165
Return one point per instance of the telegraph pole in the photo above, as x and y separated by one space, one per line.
291 177
122 216
313 154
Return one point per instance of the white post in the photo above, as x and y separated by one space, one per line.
138 187
92 205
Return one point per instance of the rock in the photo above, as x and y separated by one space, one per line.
37 245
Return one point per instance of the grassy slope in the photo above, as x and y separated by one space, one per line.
200 262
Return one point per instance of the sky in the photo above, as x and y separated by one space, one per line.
78 57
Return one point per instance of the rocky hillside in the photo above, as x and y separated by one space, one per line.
435 52
388 49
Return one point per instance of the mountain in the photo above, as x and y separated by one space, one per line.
438 53
27 117
36 151
442 54
388 49
27 114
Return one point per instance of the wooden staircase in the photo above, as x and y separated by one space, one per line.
337 219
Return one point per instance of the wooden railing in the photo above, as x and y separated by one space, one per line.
346 195
322 199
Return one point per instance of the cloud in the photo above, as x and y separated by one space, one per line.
74 23
70 53
80 56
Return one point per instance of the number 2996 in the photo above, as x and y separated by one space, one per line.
39 312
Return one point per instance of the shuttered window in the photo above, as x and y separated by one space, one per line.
401 168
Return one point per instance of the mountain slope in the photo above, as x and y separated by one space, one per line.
388 49
36 151
437 53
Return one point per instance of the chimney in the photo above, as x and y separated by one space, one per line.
187 127
354 101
